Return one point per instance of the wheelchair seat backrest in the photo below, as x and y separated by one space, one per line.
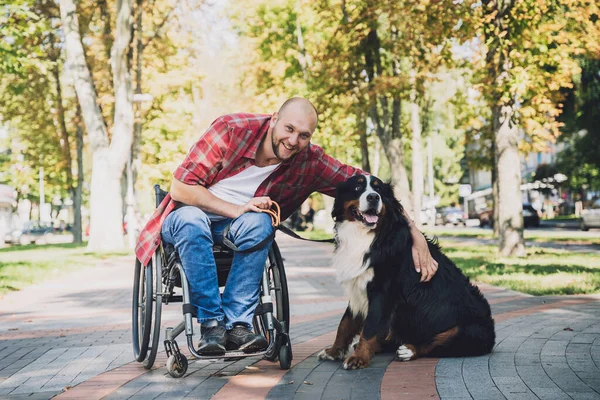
159 194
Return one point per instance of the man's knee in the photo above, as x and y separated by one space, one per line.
252 225
188 218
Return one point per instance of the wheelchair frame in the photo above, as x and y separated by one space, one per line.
155 284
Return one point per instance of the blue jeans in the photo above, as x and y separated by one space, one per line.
193 234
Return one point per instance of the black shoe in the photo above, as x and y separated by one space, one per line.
242 338
213 341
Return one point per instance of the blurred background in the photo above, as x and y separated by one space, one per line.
477 111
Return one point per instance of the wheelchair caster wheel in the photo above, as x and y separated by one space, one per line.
177 368
285 355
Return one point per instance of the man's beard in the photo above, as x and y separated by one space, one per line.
275 146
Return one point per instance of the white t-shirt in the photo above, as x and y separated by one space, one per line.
240 188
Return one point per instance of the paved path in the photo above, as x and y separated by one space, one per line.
70 338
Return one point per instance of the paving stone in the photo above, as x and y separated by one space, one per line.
451 387
552 353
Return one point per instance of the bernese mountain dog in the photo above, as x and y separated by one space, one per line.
389 308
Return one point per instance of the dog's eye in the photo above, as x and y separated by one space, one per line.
358 188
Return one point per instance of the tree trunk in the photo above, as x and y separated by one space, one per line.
303 58
395 154
136 158
417 157
510 206
106 219
121 145
387 126
62 128
106 215
77 223
376 157
66 146
495 197
364 147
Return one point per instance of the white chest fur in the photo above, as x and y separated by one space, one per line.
352 270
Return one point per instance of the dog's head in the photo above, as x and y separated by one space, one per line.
363 199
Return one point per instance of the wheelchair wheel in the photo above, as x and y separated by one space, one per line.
156 264
141 310
280 298
285 355
177 366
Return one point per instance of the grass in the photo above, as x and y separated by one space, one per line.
317 234
541 272
26 265
570 217
562 236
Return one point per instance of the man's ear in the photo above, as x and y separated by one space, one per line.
274 119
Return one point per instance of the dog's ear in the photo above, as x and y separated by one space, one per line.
388 190
392 201
337 212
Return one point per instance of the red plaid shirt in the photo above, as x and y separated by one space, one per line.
228 147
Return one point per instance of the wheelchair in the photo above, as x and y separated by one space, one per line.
159 282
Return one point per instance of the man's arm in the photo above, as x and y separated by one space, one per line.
424 262
199 196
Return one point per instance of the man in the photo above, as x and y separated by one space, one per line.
239 166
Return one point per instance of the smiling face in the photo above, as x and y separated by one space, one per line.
359 199
292 129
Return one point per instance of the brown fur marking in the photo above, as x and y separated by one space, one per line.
439 340
347 205
365 350
349 327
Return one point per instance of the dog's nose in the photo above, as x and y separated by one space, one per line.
372 197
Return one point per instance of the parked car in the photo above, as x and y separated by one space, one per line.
31 232
531 216
454 216
427 216
590 217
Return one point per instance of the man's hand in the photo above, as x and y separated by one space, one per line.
255 204
424 263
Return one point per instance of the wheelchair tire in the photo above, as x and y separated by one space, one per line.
281 306
177 369
141 310
283 300
285 355
156 265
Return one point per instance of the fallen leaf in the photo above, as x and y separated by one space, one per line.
290 382
568 329
307 383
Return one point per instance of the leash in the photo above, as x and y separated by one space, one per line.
275 214
276 221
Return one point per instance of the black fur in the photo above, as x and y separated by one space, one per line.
399 303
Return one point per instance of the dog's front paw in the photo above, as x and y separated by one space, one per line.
406 353
356 362
331 354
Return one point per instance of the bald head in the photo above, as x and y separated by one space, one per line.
299 105
291 128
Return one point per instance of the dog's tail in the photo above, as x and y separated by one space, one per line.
471 340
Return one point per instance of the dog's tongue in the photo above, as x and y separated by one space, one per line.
370 219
